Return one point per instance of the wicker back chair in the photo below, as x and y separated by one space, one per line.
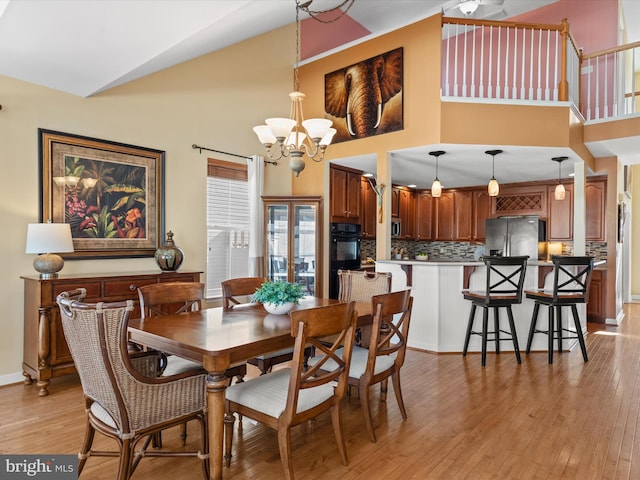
123 402
361 286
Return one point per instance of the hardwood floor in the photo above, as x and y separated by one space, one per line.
569 420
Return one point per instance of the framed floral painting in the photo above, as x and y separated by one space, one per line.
111 194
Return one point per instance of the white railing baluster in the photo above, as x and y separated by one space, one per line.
473 65
531 67
455 65
515 63
548 67
539 89
447 67
522 86
482 62
597 99
555 75
506 65
489 84
464 64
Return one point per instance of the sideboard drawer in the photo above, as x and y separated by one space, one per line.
118 288
93 289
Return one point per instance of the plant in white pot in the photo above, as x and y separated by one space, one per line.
279 297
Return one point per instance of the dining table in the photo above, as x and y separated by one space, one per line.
218 338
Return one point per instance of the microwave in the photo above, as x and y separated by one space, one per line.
396 227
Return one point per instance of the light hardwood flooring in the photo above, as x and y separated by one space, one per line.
569 420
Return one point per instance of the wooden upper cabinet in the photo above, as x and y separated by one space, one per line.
407 213
595 202
369 208
521 200
560 218
481 212
424 216
462 215
395 202
444 217
344 195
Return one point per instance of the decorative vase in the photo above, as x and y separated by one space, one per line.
169 257
279 309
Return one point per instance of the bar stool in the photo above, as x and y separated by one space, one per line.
503 288
571 280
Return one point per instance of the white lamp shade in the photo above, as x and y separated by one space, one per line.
468 7
49 238
265 136
436 188
326 140
296 139
494 188
281 127
559 192
317 128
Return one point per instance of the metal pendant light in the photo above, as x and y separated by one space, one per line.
559 192
494 187
436 186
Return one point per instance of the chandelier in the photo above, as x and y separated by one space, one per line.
468 7
294 137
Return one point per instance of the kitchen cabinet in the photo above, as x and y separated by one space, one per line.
45 353
395 202
462 202
293 240
344 192
521 200
407 214
369 209
424 216
452 216
481 211
595 205
444 217
560 215
596 304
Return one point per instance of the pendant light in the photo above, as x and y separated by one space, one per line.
493 188
559 192
436 186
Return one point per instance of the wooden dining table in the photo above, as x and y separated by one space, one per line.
221 337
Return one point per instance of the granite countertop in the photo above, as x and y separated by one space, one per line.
466 262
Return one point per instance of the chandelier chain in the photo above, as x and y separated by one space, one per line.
316 13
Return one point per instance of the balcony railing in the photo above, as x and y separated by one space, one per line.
532 63
609 83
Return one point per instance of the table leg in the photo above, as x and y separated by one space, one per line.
216 385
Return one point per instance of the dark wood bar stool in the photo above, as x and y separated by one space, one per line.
503 288
571 280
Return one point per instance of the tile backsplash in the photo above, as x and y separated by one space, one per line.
465 250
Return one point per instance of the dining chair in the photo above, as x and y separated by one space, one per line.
236 291
385 353
291 396
361 286
571 281
124 403
170 298
504 282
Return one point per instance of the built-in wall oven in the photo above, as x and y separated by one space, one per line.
344 252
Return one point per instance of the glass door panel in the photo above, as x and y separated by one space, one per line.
277 241
304 246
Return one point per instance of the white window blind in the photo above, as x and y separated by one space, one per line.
227 232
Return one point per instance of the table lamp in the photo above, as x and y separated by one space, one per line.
48 239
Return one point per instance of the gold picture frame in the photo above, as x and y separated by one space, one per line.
110 193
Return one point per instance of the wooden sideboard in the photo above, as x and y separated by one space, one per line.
46 354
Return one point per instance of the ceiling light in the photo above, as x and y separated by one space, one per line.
494 187
559 192
294 136
468 7
436 186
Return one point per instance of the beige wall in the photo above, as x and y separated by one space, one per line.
213 101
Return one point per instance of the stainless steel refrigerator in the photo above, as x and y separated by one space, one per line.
517 235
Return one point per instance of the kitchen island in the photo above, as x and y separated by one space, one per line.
440 313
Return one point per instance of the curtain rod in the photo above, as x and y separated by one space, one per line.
198 147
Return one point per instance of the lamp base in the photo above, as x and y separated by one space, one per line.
48 264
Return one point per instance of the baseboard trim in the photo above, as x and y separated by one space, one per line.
11 378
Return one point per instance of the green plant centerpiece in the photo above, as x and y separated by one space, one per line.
279 297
